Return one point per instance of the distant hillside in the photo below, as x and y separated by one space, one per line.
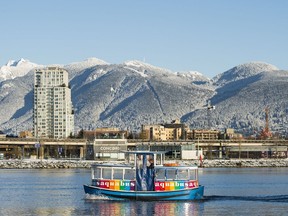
241 104
15 69
242 71
134 93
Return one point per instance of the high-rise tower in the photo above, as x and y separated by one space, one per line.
53 115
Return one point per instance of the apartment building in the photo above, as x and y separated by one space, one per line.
53 115
172 131
153 132
205 134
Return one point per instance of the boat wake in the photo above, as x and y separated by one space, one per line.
95 197
277 198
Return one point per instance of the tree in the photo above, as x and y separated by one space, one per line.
80 134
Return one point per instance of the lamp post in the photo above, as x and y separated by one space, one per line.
37 146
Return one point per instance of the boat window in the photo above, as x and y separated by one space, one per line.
182 174
171 174
160 174
106 173
193 174
97 172
129 174
118 174
159 160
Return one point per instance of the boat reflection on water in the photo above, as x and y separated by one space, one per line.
104 207
177 208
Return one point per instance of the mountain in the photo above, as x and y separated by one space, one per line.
242 71
133 93
15 69
77 67
242 95
196 77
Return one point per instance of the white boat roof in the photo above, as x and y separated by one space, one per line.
193 167
145 152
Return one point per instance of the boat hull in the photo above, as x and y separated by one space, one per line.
185 194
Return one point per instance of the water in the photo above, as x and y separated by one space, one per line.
228 191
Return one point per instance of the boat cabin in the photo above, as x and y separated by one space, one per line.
145 171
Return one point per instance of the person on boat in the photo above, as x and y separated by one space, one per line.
151 161
151 174
139 162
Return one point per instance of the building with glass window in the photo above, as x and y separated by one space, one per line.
53 115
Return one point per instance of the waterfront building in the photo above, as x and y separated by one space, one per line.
230 134
109 148
25 134
170 131
206 134
53 115
176 130
105 133
105 143
153 132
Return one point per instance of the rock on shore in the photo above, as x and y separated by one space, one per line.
66 164
246 163
43 164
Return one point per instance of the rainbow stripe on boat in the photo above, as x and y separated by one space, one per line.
128 185
175 185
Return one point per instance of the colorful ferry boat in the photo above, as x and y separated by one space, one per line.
147 178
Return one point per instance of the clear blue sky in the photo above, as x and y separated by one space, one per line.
210 36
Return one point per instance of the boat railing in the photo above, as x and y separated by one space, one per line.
116 177
176 173
113 172
175 178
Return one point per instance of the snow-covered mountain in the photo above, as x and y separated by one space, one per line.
15 69
242 71
196 77
242 95
77 67
133 93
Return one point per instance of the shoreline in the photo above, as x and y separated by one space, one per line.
242 163
72 164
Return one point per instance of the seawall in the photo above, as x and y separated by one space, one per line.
67 164
43 164
246 163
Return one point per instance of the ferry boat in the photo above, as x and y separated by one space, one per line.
147 178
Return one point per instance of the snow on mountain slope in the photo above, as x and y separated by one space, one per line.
196 77
135 99
16 101
15 69
242 71
133 93
76 67
144 68
244 111
140 64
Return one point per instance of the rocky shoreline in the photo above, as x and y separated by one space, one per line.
68 164
246 163
43 164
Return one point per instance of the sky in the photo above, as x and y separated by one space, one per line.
208 36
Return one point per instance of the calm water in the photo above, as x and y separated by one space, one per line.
228 191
